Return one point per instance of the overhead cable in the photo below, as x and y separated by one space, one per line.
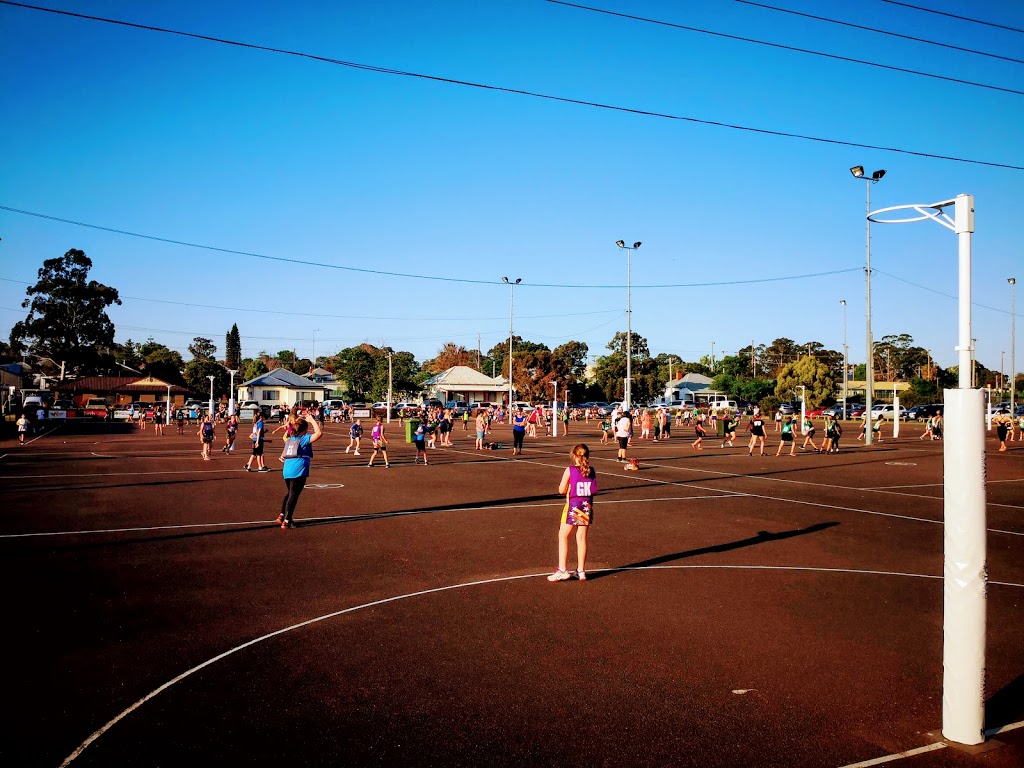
521 92
385 273
795 49
882 32
954 16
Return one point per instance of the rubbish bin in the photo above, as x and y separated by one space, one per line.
410 429
721 426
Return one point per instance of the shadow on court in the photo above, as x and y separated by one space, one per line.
762 537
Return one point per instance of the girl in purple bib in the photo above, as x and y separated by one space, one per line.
579 484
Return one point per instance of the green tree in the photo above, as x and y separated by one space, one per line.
777 354
574 355
67 319
254 369
233 348
818 379
163 363
196 373
202 349
637 343
354 367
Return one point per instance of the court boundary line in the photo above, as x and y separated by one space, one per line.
341 518
465 585
729 475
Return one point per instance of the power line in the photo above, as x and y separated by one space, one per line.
336 317
531 94
882 31
954 16
414 276
780 46
940 293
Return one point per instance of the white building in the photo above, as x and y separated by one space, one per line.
281 386
460 382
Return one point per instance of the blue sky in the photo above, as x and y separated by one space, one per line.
292 158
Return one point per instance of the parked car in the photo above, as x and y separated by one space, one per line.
856 411
816 413
837 410
457 407
919 412
887 410
788 409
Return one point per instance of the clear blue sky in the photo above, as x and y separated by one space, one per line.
288 157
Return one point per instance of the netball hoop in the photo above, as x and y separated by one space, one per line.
965 574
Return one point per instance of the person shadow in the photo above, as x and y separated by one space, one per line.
762 537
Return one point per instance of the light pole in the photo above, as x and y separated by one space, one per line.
315 331
869 367
554 410
231 400
803 404
167 420
846 365
712 357
627 400
964 507
390 380
211 378
511 290
1013 342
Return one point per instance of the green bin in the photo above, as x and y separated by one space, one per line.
721 426
410 429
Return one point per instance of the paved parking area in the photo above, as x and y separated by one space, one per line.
764 611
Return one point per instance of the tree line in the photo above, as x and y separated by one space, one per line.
67 322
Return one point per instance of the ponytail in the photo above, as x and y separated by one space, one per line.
581 458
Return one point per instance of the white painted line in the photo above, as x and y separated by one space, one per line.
367 516
731 475
1004 728
43 435
187 673
898 755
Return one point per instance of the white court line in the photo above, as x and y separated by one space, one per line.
187 673
43 435
368 516
897 756
727 475
939 485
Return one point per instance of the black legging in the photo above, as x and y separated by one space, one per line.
295 486
517 438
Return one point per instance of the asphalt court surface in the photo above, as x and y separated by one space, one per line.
775 611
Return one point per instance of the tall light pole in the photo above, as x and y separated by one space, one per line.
712 357
1013 342
390 380
869 367
628 391
965 573
511 290
231 400
846 366
315 331
211 378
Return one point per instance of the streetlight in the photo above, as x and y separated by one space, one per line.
1013 341
846 365
231 400
511 291
211 378
869 368
628 390
964 514
803 404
